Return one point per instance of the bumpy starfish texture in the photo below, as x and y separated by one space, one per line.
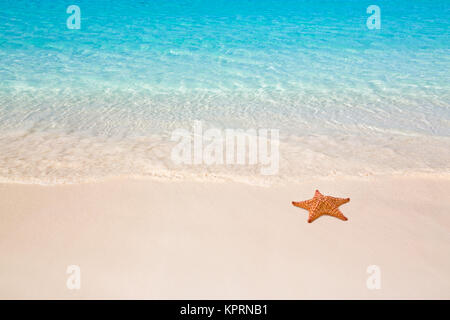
320 205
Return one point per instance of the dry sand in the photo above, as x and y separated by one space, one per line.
189 240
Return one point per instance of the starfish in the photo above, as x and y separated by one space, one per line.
320 205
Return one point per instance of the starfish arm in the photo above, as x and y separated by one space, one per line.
311 219
303 204
313 215
338 214
339 201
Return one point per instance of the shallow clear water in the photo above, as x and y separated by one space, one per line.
103 100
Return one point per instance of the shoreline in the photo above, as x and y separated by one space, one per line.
137 238
54 158
234 177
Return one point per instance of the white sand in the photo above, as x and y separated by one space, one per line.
147 239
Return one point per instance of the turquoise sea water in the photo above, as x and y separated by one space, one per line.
103 100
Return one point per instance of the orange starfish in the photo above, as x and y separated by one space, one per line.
320 205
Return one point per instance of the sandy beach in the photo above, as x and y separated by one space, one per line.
189 240
164 150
